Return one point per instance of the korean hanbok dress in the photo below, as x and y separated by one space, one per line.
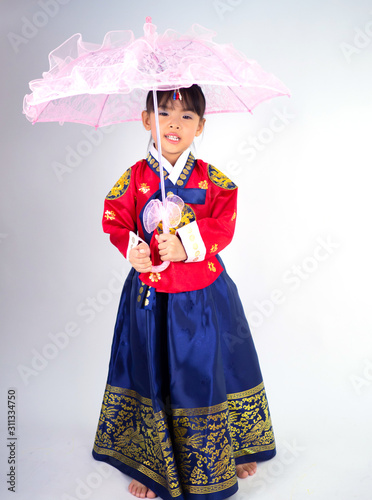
185 399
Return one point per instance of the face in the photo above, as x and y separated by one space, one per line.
178 127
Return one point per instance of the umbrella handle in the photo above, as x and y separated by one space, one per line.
165 264
161 267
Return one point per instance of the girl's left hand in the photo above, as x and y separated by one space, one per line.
170 248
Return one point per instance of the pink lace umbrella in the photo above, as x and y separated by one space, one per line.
106 84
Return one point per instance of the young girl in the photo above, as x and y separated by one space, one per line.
184 411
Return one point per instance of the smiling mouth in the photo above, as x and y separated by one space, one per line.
173 138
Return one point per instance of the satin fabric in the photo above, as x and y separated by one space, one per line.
186 361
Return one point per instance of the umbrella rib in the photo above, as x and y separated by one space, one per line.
103 105
41 112
239 99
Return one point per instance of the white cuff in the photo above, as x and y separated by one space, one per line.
192 242
134 240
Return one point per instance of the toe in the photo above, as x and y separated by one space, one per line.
252 469
245 470
137 489
241 472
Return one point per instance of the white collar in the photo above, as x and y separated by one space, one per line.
173 171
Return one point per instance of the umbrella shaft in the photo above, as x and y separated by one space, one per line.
162 187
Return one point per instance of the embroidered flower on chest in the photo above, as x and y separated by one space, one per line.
144 188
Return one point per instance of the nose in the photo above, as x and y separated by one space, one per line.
174 123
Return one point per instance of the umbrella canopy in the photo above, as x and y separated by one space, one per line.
106 84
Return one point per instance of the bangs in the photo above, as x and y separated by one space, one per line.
192 100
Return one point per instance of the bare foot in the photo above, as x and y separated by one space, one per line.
140 490
245 470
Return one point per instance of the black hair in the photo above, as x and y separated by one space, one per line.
192 99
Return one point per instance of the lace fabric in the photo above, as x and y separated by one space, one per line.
105 84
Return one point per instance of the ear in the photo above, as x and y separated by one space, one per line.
146 120
200 128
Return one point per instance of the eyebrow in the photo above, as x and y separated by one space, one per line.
172 107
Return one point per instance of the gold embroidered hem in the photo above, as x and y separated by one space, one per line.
184 449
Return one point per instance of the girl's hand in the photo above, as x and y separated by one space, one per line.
139 257
170 248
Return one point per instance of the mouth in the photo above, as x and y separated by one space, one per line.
174 139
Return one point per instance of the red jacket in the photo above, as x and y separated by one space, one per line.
207 225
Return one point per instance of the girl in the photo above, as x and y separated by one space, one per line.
185 411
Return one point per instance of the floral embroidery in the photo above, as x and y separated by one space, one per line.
220 179
155 277
214 248
145 188
121 186
203 185
187 216
211 267
197 453
110 215
256 434
234 216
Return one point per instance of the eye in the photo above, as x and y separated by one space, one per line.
187 117
163 113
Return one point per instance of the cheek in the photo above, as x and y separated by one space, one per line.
153 130
196 131
162 125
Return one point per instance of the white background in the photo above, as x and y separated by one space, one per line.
304 208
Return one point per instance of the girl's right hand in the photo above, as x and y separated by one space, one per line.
139 257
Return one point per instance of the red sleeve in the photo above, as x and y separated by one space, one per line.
119 217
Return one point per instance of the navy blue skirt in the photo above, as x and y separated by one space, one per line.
185 400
